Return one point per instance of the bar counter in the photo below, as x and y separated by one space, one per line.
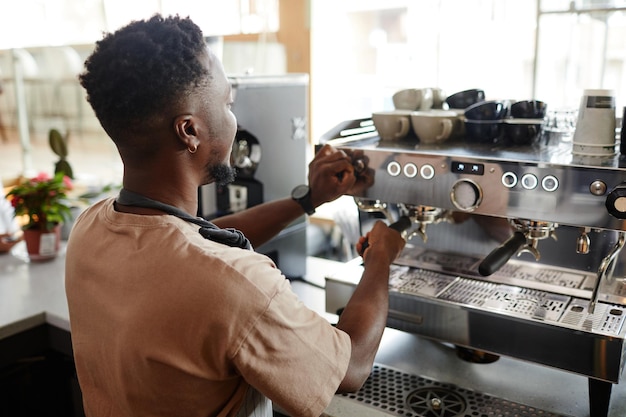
32 295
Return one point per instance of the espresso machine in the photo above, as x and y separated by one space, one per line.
270 154
511 251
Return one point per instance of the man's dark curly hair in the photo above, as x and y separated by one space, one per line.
141 69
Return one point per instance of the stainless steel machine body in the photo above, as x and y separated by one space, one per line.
273 111
557 296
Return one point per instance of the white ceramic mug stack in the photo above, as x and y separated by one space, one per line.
413 99
595 128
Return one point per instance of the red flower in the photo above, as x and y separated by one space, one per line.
67 181
42 199
41 177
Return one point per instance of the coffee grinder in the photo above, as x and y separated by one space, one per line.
246 191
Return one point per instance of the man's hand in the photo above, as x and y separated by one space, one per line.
333 173
389 243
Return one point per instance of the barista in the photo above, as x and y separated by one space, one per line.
172 315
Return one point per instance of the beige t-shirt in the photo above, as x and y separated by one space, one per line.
167 323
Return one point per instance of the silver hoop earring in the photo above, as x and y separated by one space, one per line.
195 148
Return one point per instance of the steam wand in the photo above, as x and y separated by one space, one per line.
606 270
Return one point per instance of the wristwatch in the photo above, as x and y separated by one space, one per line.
302 195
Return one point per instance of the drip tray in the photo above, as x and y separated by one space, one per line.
397 393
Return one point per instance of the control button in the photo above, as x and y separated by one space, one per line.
597 187
616 201
466 195
529 181
549 183
410 170
620 204
394 169
509 179
427 171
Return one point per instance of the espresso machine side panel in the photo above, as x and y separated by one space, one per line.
274 109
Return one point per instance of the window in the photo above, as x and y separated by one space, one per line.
366 50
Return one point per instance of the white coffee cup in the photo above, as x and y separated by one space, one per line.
434 126
439 98
590 149
596 118
392 125
413 99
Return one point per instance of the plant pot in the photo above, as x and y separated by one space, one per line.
43 245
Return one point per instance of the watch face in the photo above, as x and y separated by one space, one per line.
300 192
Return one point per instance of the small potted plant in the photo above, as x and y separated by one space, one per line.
43 206
59 145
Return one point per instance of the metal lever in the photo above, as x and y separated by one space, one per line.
500 255
606 270
401 225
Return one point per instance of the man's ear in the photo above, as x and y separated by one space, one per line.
185 128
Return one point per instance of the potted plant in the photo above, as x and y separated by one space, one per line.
43 206
59 145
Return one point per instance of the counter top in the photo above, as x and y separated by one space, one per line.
32 294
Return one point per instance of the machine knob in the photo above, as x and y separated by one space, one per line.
616 201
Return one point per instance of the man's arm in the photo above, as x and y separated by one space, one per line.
264 221
365 316
331 175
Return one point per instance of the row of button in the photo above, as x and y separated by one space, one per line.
410 170
509 179
529 181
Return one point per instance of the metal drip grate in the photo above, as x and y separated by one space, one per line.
565 279
510 299
526 302
418 281
398 393
606 318
470 292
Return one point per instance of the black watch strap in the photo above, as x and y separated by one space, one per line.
302 195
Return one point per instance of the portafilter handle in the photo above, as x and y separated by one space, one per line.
500 255
403 223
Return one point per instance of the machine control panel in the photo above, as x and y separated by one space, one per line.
566 194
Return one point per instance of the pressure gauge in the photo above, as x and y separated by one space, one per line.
466 195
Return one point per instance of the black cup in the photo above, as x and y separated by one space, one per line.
481 131
529 109
521 131
487 110
464 99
